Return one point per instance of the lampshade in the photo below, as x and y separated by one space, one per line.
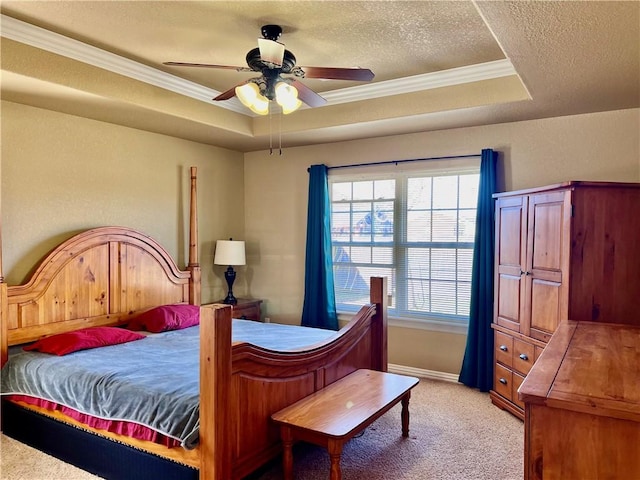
229 252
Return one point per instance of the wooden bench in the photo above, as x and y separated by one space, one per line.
332 416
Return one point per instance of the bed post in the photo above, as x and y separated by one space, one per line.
4 341
378 296
194 266
215 392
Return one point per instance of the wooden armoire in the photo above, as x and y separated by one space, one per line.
564 251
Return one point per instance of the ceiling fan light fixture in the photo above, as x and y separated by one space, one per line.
287 97
251 97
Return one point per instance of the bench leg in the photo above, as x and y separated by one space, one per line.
405 414
335 452
287 453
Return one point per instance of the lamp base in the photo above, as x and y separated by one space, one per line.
230 276
230 299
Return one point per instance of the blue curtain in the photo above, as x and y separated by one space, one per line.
319 308
477 366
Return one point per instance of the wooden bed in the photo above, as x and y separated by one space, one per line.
107 275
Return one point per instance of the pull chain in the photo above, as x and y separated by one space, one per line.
280 133
270 132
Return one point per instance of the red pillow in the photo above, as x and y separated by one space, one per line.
167 317
83 339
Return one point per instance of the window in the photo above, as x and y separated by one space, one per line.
416 228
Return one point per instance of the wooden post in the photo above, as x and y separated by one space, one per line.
4 341
215 391
195 290
378 296
4 331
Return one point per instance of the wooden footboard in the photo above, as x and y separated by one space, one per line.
242 385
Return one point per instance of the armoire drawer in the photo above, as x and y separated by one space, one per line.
503 382
504 348
523 356
516 382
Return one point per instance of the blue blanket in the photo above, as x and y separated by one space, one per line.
153 382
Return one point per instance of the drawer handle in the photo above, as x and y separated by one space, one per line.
503 381
523 356
503 348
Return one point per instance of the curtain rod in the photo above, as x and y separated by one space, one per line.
388 162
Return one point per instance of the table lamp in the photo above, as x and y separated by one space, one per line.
229 252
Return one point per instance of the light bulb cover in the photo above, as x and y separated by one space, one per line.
260 105
287 97
250 96
247 93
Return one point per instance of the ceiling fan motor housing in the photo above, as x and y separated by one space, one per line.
271 32
255 62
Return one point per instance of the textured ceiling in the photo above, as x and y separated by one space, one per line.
569 58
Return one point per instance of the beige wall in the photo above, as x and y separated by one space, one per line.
601 146
62 174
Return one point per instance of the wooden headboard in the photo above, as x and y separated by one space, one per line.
102 276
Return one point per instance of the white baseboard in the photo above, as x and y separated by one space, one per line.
420 372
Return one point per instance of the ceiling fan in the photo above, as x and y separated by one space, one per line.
272 60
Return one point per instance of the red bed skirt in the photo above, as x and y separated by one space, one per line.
129 429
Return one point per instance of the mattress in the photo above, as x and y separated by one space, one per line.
148 389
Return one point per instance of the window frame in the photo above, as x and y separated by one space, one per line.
399 243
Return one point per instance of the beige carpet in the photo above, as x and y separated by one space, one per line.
455 434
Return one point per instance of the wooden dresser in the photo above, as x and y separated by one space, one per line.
582 404
562 251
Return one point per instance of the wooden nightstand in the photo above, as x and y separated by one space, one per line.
246 308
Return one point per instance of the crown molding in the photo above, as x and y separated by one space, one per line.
425 81
41 38
38 37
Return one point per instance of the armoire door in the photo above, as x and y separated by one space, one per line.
547 264
511 230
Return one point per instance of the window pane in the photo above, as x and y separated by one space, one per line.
361 254
418 295
419 193
340 231
383 222
419 226
445 225
362 190
443 264
385 189
341 254
341 191
382 255
466 225
464 299
361 222
469 185
418 264
445 192
443 295
352 283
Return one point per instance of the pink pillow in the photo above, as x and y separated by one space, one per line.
84 339
167 317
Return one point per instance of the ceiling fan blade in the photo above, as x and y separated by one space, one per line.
336 73
207 65
228 94
271 51
307 95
